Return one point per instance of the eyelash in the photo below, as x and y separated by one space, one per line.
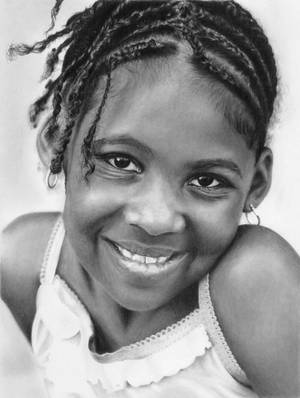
114 156
222 182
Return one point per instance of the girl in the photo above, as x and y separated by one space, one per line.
145 285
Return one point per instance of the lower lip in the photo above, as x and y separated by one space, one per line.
147 270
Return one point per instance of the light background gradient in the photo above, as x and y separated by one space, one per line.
22 187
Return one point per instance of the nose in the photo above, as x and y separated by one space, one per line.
156 210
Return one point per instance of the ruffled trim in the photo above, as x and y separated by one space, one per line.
179 355
213 327
62 331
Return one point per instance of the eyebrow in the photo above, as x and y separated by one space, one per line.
210 163
123 139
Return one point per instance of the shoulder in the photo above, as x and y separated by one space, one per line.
255 290
23 242
259 255
258 258
22 247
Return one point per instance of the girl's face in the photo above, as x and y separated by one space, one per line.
165 199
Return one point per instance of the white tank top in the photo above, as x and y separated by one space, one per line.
187 359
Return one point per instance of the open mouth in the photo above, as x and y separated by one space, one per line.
146 265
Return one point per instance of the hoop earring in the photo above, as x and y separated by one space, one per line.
252 210
51 179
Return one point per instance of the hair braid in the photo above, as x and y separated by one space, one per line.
253 55
111 26
233 84
110 21
110 33
24 49
53 58
239 26
87 142
40 105
140 17
54 88
229 48
54 13
78 55
237 36
121 56
57 102
209 36
56 162
243 65
220 72
63 140
244 19
237 57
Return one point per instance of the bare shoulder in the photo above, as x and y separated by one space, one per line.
258 256
23 243
256 293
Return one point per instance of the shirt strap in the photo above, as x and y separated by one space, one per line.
214 330
52 253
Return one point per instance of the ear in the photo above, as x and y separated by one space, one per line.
261 180
44 146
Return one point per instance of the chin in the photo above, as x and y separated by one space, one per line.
143 298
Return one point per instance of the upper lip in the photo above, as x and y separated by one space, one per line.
143 250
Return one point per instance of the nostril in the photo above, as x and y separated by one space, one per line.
157 222
132 217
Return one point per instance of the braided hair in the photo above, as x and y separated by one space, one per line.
226 43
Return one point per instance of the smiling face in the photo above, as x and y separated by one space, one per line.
170 183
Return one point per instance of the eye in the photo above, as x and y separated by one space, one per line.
208 182
123 162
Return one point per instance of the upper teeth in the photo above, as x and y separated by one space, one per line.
142 259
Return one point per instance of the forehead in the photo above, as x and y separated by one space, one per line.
177 71
167 103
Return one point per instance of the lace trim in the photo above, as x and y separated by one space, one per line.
163 363
61 335
213 327
150 344
45 270
156 342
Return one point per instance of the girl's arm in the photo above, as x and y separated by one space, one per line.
256 293
23 243
19 375
21 251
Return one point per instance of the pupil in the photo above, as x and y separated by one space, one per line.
122 163
205 181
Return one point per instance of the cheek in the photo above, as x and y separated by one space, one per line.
215 225
87 211
90 204
91 209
